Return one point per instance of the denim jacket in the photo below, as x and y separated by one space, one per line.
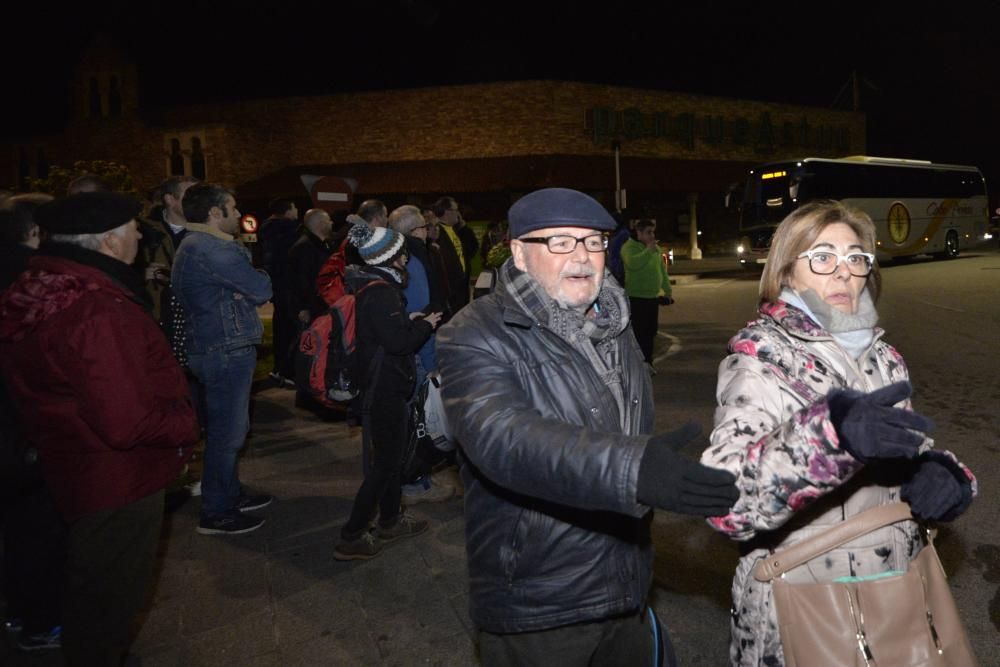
219 290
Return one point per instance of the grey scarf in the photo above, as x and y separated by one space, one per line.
853 331
594 336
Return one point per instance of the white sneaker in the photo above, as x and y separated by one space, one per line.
194 488
425 490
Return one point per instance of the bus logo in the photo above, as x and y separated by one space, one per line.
899 222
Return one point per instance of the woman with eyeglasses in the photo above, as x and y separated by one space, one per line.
814 418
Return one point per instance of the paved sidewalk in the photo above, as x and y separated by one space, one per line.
276 596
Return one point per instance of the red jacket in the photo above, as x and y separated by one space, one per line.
97 388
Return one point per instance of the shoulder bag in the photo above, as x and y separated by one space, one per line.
899 620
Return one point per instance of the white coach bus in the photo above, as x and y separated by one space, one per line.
918 207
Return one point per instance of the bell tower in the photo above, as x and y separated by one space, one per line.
105 83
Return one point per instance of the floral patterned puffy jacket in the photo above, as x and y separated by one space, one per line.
773 431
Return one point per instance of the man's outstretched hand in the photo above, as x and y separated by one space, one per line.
674 483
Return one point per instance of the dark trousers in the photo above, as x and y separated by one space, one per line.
34 554
388 430
284 336
625 641
645 322
109 569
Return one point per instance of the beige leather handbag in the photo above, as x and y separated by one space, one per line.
903 620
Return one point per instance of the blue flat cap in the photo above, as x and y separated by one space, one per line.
557 207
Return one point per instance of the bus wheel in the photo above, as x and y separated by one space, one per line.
950 246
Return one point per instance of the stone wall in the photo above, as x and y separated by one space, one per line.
245 141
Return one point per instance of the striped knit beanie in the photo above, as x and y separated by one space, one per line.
378 246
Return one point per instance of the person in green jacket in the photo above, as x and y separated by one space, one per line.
646 284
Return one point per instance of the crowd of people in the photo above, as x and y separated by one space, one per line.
128 340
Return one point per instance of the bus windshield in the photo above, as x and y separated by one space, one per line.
770 196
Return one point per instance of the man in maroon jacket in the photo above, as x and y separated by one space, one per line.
104 402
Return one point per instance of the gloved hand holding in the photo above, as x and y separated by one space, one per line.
672 482
665 300
939 489
870 427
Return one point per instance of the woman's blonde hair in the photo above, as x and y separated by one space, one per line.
800 229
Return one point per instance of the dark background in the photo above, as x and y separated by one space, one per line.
928 72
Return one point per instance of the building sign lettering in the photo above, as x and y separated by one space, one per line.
687 129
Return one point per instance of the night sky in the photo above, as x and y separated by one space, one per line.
929 71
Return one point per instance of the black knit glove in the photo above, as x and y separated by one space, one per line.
939 489
671 482
869 427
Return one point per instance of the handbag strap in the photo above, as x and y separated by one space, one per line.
776 564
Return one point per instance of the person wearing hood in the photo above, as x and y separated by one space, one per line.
388 339
106 406
814 418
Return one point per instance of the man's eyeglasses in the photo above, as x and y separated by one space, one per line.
563 244
824 262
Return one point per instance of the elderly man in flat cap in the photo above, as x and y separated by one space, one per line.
104 402
552 407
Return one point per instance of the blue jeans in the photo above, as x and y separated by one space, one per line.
226 377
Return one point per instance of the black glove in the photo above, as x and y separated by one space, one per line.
939 489
671 482
665 300
870 427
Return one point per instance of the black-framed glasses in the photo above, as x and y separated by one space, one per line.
563 244
825 262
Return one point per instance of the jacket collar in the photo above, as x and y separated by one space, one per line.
208 229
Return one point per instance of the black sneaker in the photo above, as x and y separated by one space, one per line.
364 547
250 503
41 641
233 522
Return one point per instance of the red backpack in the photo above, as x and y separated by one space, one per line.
326 366
330 280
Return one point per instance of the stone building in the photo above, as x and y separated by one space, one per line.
674 154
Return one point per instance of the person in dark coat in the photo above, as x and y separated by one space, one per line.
388 339
277 235
305 258
34 534
547 395
458 248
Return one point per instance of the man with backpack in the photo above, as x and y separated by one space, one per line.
388 338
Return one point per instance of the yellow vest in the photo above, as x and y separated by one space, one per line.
455 241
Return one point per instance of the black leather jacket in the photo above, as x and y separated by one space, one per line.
554 534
